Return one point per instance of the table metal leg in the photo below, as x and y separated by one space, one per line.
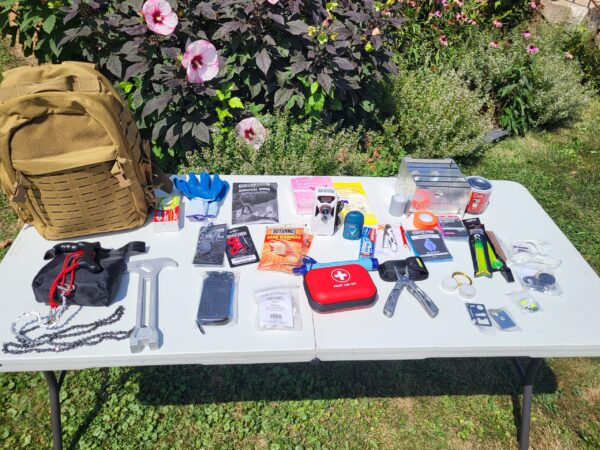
527 376
54 385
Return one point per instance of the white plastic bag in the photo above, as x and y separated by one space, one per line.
277 309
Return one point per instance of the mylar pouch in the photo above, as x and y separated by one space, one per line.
217 299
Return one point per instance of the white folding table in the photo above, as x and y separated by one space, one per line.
566 326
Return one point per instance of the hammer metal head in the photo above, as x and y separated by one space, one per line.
150 265
146 333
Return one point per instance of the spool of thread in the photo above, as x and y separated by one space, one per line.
353 225
425 220
398 205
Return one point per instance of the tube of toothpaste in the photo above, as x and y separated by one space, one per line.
367 242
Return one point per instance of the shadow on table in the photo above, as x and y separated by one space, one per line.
168 385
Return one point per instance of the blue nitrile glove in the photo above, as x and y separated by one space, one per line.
215 205
189 188
206 188
210 188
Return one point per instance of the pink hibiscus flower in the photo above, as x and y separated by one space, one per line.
251 131
200 61
159 16
532 50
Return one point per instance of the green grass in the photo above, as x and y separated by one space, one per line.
454 403
8 222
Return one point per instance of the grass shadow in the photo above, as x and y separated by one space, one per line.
175 385
102 395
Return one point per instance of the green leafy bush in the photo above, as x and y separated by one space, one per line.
437 114
299 149
435 28
540 89
38 25
308 55
584 45
579 43
558 95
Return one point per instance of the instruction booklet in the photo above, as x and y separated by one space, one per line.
429 245
254 203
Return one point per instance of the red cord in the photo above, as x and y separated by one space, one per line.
70 263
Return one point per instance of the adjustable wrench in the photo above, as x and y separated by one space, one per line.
146 334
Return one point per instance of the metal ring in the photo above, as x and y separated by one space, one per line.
464 275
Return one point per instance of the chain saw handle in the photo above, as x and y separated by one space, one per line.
86 261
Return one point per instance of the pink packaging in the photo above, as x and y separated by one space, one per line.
303 190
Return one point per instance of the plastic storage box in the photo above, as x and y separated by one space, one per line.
435 185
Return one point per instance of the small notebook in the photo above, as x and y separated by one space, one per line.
429 245
452 227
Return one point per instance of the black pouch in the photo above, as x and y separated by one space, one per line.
413 267
96 278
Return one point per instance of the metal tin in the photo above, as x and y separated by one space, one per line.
481 191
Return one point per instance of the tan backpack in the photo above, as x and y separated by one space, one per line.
71 158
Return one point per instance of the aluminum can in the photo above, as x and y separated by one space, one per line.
481 191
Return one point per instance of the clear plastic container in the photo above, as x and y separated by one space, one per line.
435 185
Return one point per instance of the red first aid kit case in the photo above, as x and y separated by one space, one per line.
338 288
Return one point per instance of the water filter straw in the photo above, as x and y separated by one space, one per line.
367 263
310 263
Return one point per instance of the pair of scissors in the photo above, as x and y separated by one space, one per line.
389 240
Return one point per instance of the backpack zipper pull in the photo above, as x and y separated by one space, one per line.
19 194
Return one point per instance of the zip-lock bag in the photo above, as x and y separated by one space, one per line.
339 287
83 272
72 161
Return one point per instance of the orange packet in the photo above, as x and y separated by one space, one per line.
283 248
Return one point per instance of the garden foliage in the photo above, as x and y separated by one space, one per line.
298 149
435 27
307 55
191 69
437 114
39 26
532 81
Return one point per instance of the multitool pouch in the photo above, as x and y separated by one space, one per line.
82 273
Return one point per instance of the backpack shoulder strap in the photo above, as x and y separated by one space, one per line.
132 247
